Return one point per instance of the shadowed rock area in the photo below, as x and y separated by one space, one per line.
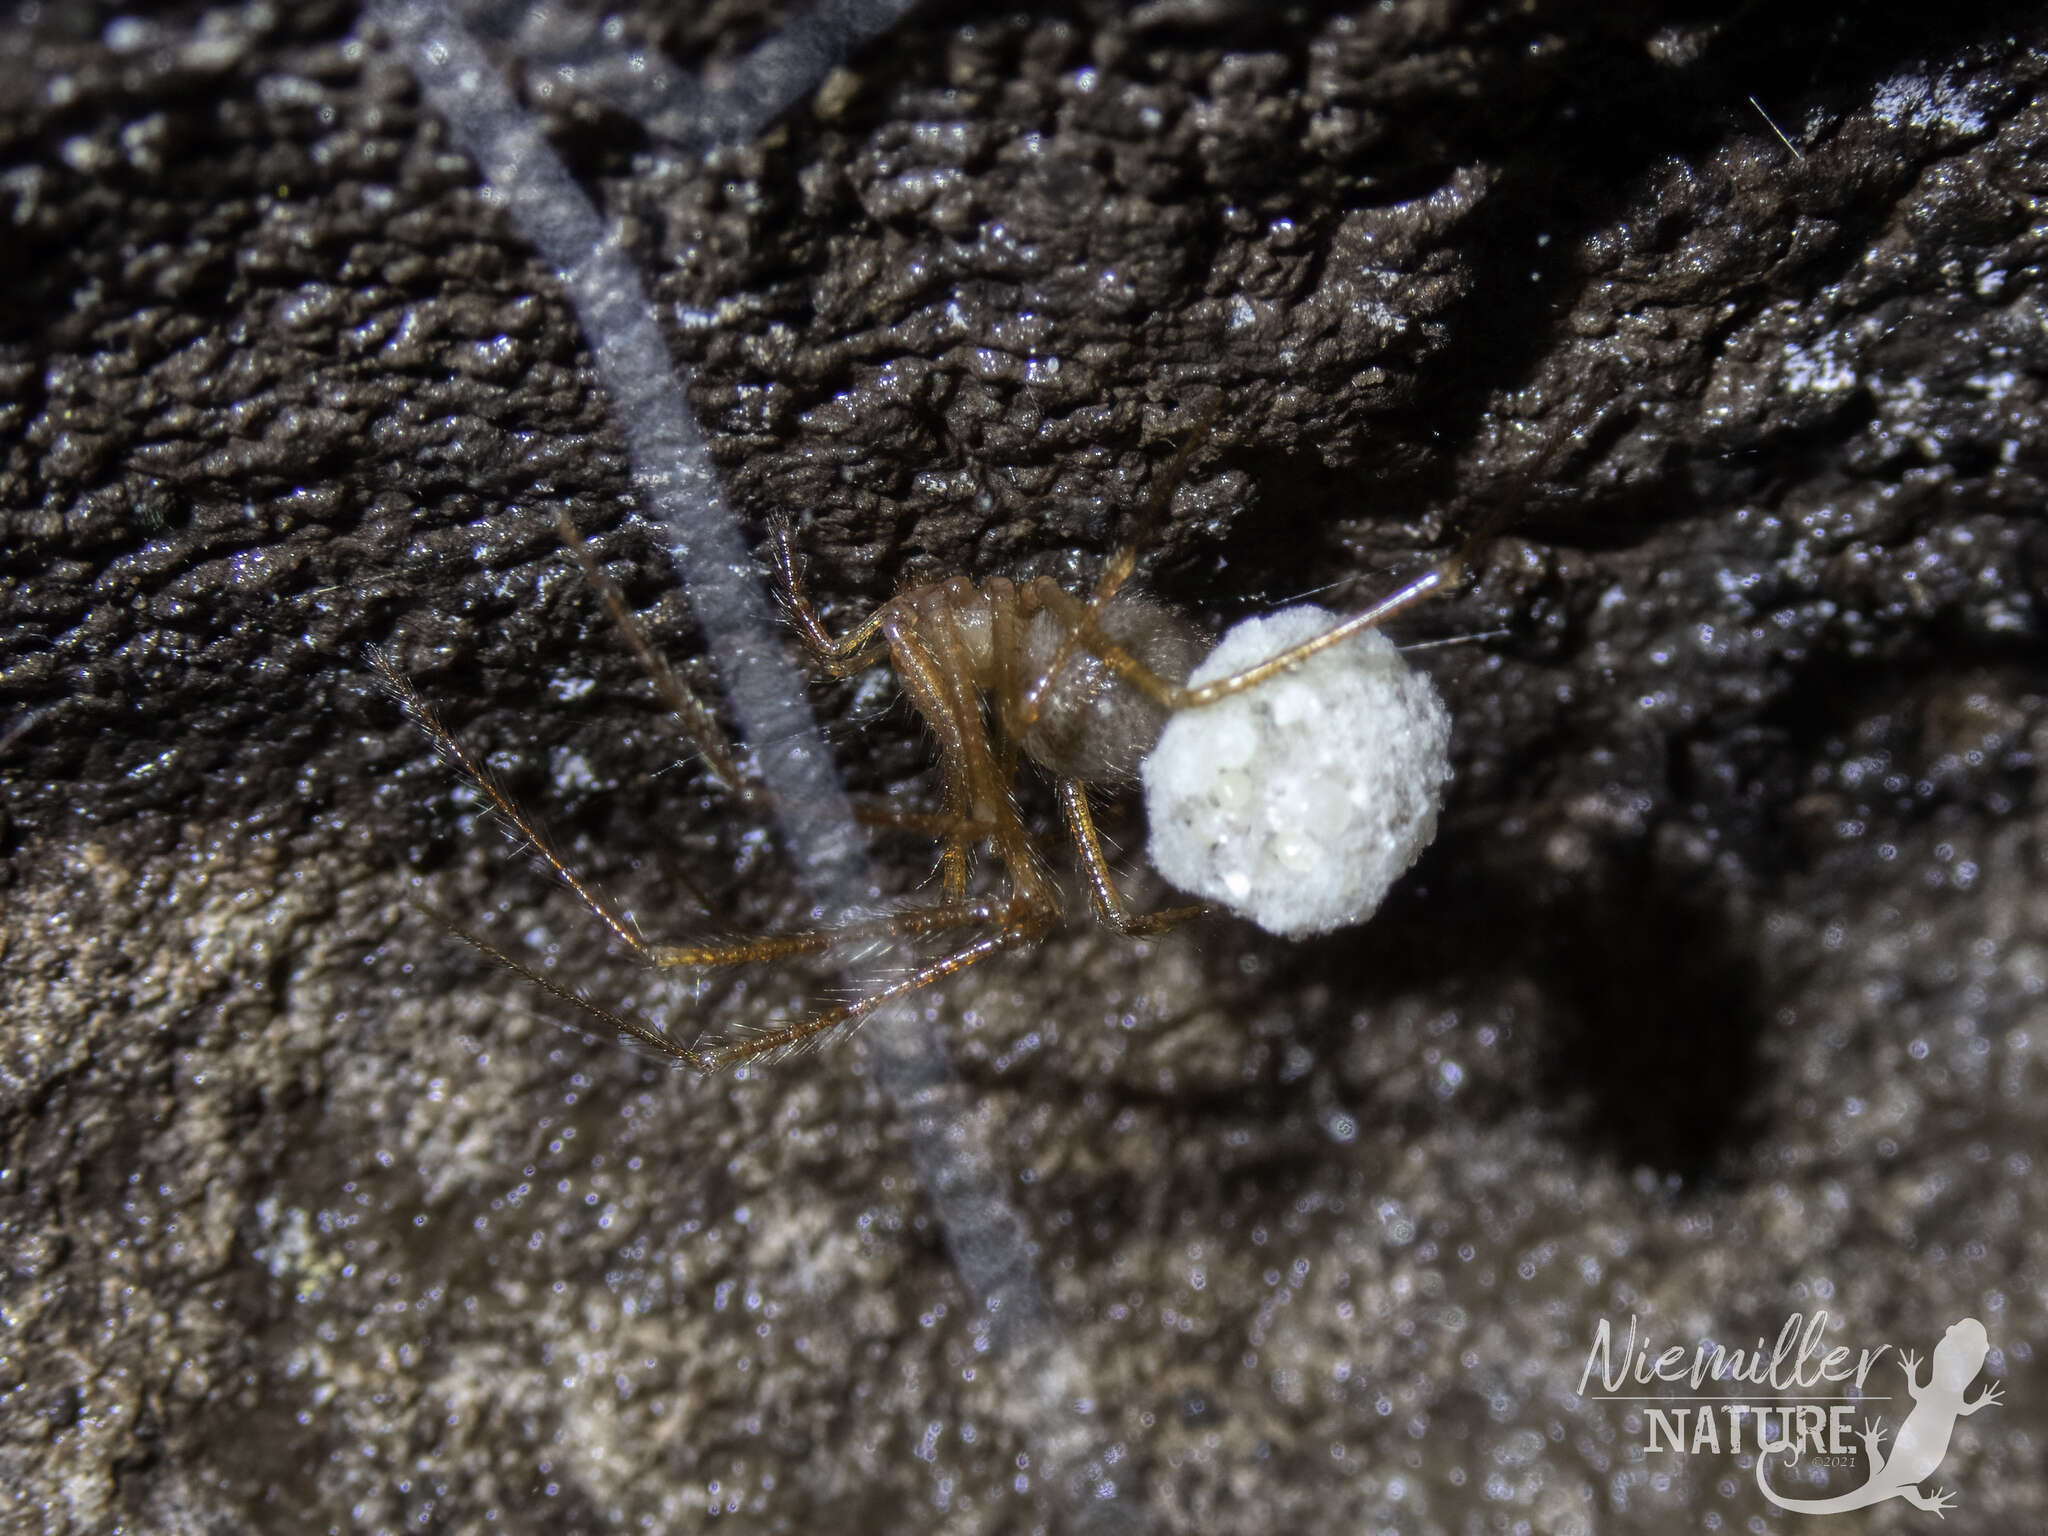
1723 994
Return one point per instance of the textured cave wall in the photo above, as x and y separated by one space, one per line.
1720 996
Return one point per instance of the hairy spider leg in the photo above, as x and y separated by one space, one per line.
1080 617
939 681
809 1031
1109 903
450 747
856 650
1121 564
630 1033
936 697
698 722
1015 920
759 947
814 941
864 646
1084 632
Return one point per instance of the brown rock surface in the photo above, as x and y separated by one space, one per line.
1721 995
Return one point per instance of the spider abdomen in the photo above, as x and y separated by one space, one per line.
1093 724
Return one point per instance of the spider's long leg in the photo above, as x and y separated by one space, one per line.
939 688
934 691
1109 904
1030 925
854 651
1016 927
1437 579
1123 562
944 826
631 1033
701 725
1153 513
1088 636
1434 582
698 722
812 941
471 768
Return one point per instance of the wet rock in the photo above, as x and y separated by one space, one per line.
1718 997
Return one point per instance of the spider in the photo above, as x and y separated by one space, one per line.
1000 671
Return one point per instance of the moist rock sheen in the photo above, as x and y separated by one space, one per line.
1299 802
1722 999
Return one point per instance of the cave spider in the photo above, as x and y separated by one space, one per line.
999 671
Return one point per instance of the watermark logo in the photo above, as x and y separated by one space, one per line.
1796 1418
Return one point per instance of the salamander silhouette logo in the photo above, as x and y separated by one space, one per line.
1922 1440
